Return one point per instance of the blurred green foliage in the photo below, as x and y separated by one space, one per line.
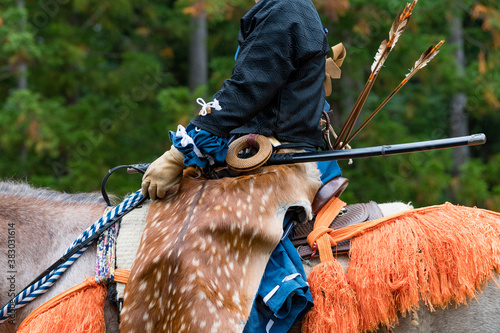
106 81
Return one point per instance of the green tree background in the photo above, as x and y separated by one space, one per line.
86 85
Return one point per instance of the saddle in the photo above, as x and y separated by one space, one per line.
350 215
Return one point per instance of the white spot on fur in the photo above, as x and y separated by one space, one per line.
215 328
203 244
236 298
211 307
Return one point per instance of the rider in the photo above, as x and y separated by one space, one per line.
276 90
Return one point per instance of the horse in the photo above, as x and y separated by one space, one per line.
44 222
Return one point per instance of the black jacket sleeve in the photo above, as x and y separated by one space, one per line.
275 37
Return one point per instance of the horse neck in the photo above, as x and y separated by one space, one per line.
42 224
45 213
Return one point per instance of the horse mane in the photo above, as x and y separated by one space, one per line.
26 191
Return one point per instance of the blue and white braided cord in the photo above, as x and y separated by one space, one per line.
44 284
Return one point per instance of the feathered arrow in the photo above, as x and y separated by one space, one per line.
424 59
385 48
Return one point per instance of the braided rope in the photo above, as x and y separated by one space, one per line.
41 286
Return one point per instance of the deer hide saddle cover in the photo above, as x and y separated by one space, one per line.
205 247
351 214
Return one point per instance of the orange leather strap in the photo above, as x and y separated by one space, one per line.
121 275
319 235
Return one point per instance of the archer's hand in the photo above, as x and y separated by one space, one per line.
163 173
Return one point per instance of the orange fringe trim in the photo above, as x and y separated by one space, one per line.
335 304
439 255
79 309
334 301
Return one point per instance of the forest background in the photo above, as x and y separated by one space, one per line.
86 85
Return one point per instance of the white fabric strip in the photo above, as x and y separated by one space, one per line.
270 324
186 139
271 294
290 277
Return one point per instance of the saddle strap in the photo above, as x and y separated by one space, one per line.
319 237
350 215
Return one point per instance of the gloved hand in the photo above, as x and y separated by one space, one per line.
163 173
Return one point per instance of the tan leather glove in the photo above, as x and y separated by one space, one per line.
163 173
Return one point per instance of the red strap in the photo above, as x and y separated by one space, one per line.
252 140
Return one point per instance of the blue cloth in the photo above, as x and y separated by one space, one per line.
207 144
292 299
283 297
329 170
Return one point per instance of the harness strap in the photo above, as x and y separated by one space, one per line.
122 275
319 235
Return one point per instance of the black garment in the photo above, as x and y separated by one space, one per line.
276 88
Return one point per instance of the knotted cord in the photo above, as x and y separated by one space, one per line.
206 107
